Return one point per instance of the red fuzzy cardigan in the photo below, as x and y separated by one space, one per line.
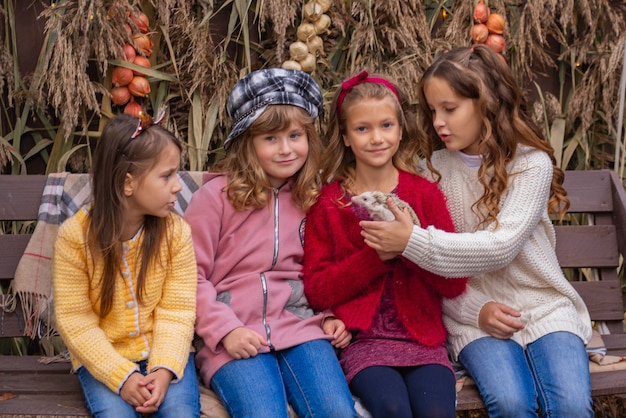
343 274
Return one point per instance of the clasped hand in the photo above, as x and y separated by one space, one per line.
146 393
388 238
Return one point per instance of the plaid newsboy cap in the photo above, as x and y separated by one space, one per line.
251 96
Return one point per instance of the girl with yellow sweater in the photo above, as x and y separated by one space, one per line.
124 276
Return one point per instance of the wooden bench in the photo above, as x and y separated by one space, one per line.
30 388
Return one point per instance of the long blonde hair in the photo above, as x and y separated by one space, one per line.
248 185
479 74
338 161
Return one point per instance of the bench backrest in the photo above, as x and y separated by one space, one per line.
597 198
597 201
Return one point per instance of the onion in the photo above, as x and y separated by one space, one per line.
479 33
121 76
306 31
120 95
308 63
298 50
129 52
292 65
495 42
481 13
142 62
141 21
495 23
322 24
139 86
144 43
134 109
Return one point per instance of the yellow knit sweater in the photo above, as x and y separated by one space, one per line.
160 329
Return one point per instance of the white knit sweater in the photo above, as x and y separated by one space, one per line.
514 264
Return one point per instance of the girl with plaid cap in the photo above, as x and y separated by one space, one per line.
520 314
397 363
263 347
124 277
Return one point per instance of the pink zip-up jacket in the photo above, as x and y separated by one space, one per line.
249 273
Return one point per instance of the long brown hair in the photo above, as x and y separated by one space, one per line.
338 161
116 155
248 185
480 74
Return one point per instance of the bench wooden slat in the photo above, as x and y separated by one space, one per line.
619 210
603 299
11 323
51 383
608 383
586 246
20 196
615 344
39 405
31 364
589 191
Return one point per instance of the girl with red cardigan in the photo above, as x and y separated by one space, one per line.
397 363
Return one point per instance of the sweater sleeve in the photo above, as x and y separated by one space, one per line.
77 322
336 269
468 254
434 212
175 313
214 319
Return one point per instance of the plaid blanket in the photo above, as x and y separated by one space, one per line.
63 195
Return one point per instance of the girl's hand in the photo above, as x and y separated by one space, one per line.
336 328
388 238
243 342
133 392
157 383
498 320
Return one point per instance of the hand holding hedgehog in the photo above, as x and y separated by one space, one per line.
376 205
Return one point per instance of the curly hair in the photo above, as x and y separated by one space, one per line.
338 161
248 185
480 74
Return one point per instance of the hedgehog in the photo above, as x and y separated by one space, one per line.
376 205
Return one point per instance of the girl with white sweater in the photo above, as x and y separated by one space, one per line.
520 329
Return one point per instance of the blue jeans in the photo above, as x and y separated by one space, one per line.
182 398
553 371
307 376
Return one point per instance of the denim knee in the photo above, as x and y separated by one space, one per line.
511 405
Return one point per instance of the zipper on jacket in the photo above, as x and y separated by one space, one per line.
268 330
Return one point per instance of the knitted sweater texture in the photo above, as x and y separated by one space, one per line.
514 264
160 329
343 274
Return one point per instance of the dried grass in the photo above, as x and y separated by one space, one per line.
396 37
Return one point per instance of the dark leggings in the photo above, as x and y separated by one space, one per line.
425 391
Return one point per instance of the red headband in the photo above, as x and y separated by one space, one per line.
362 77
